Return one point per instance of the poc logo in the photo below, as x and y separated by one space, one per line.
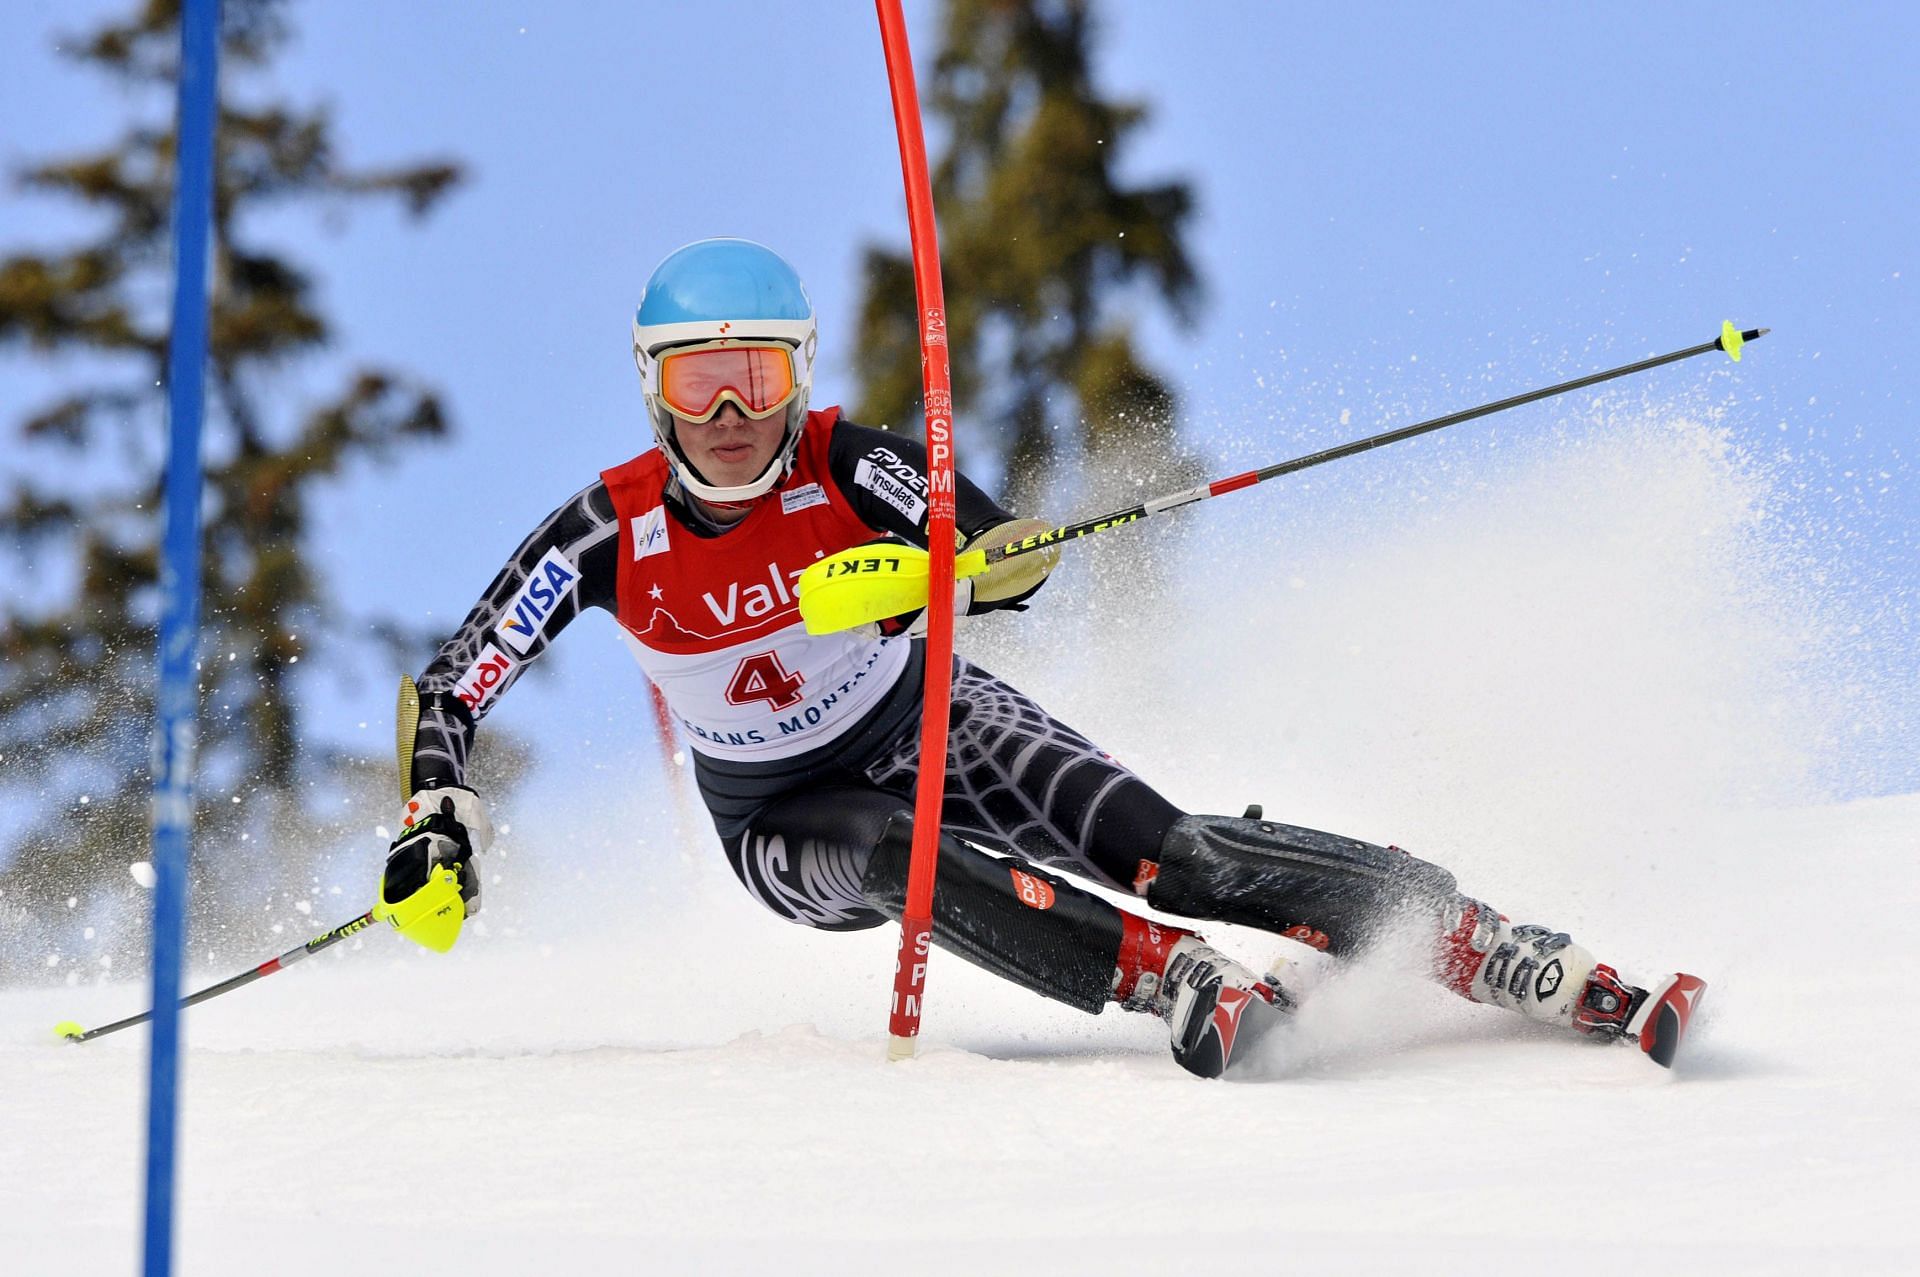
551 580
650 533
1034 893
484 678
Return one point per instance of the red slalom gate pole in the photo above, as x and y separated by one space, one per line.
686 803
916 925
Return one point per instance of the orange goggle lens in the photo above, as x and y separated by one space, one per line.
694 383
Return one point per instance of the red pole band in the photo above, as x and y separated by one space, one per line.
916 926
1220 487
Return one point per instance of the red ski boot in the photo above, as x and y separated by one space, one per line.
1215 1008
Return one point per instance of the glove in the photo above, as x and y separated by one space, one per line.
1005 584
431 885
913 624
1008 583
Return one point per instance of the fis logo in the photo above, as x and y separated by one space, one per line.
484 677
551 580
650 533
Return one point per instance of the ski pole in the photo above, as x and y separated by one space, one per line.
867 583
977 561
74 1033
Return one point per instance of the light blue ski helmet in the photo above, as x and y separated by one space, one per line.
724 290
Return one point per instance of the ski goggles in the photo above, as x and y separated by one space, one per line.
756 376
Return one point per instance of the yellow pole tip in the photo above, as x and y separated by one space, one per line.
69 1030
900 1048
1730 340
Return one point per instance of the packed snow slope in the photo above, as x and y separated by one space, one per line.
1600 679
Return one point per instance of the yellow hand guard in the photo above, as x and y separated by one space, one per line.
431 916
861 586
872 583
420 891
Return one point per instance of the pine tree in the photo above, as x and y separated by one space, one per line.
82 517
1041 243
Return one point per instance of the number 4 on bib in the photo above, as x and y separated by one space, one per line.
761 677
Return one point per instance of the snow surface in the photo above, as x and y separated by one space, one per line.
1589 678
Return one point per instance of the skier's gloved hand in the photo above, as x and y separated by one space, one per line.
1005 585
914 624
431 885
459 803
1010 582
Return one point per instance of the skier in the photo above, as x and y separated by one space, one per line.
806 747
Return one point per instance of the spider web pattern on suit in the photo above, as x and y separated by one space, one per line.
584 523
1017 778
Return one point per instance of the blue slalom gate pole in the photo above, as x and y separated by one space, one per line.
177 693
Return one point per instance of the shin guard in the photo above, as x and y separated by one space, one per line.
1017 921
1290 880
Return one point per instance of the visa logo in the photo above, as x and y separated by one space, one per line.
551 580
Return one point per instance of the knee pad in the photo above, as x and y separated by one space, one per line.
1282 878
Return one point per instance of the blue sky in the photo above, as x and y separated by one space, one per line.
1403 209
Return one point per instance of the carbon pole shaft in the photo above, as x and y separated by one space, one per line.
73 1033
1220 487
